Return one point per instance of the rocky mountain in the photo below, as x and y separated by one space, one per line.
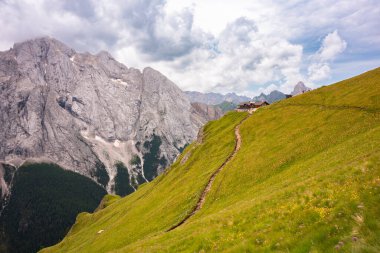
276 95
212 98
89 113
271 97
203 112
226 106
300 88
234 98
231 100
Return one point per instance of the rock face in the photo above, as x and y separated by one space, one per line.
7 173
202 113
226 106
89 113
300 88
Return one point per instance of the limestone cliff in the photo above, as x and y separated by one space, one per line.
88 113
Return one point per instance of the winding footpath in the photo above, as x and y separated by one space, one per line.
207 189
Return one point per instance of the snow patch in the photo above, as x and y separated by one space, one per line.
100 139
72 58
111 152
120 81
116 143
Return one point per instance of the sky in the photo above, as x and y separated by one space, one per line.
241 46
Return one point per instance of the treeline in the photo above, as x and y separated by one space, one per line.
43 206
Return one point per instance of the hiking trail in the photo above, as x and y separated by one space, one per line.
207 189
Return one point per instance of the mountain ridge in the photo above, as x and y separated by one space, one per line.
63 111
92 104
212 98
300 88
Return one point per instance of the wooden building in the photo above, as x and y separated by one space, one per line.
246 106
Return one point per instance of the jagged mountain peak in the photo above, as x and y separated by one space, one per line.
42 45
275 92
213 98
105 54
300 88
88 112
273 96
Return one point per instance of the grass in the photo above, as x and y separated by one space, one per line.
306 179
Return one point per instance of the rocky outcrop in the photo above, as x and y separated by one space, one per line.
7 173
88 113
272 97
300 88
276 95
202 113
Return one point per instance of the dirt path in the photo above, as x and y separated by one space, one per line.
206 190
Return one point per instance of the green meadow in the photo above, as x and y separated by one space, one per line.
306 179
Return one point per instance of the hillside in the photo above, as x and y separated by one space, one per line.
226 106
45 201
90 114
306 179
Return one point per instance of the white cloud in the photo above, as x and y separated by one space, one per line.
269 89
332 46
204 45
239 58
319 71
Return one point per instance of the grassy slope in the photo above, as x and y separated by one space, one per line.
156 206
306 178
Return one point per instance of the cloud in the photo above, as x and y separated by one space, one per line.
158 34
83 8
319 71
144 25
239 58
332 46
269 89
238 46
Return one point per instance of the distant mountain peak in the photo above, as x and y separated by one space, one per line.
273 96
275 92
300 88
212 98
51 42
